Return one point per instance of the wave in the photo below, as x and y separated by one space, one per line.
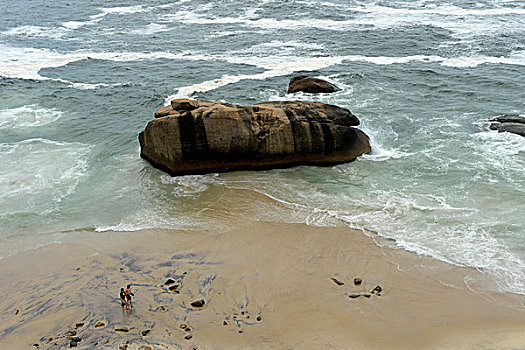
28 116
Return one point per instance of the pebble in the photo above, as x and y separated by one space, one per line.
353 296
224 323
99 324
367 295
72 344
376 290
169 281
183 325
122 329
73 332
259 318
123 346
79 324
189 336
198 303
145 332
357 281
336 281
16 311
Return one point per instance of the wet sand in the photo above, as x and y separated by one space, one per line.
265 286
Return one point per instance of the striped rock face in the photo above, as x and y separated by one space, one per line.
196 137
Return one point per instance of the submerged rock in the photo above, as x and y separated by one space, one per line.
306 83
195 137
513 123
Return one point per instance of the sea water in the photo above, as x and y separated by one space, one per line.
79 80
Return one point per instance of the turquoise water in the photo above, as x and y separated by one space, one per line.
80 80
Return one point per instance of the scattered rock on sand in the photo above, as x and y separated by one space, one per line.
336 281
147 347
145 332
357 281
99 324
367 295
259 318
198 303
309 84
77 339
174 288
353 296
16 311
72 344
376 290
122 329
79 324
188 336
169 281
123 346
72 332
183 325
225 323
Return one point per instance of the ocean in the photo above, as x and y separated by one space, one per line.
79 80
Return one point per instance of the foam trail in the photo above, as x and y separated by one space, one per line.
28 116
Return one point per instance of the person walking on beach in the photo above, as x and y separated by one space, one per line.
123 302
129 294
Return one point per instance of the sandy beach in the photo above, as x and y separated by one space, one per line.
264 286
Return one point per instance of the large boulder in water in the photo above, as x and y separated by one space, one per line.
192 137
513 123
306 83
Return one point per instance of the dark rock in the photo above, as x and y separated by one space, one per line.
36 345
306 83
174 288
123 347
77 339
218 137
198 303
240 330
259 318
367 295
122 329
161 308
357 281
225 323
183 325
72 344
73 332
187 329
353 296
16 311
169 281
336 281
376 290
145 332
510 118
79 324
99 324
188 336
514 128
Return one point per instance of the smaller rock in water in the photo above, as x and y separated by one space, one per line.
79 324
336 281
306 83
357 281
513 123
145 332
353 296
198 303
99 324
72 344
122 329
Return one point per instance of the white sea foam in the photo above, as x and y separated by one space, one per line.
57 33
150 29
37 174
28 116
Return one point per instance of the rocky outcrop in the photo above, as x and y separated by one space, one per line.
306 83
513 123
192 137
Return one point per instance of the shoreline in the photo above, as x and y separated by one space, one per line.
265 285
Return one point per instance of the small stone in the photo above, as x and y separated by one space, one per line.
174 288
242 312
36 345
122 329
79 324
121 269
16 312
259 318
145 332
169 281
247 316
376 290
357 281
78 268
183 325
147 347
353 296
99 324
224 323
240 330
77 339
73 332
367 295
161 308
188 336
50 339
198 303
123 346
72 344
187 329
336 281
